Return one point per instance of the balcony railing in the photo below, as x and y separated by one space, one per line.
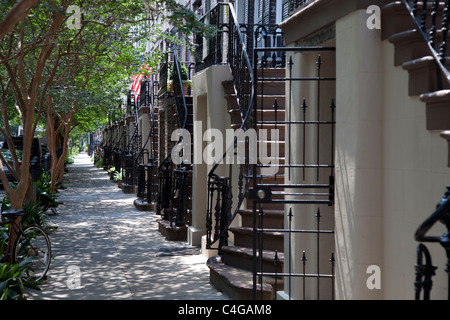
295 5
216 50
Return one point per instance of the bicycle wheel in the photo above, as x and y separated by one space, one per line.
33 246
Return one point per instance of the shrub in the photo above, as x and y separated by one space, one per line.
13 280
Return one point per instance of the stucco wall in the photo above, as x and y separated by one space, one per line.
390 171
415 175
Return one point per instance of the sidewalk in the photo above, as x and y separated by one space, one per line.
115 250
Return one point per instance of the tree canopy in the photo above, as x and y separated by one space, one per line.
64 64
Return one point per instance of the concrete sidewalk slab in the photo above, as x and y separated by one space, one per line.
104 248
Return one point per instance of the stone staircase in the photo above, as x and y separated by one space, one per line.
413 54
232 272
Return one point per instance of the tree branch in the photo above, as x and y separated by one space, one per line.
16 14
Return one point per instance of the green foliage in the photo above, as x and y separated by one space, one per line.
13 280
183 71
33 214
118 176
45 196
99 163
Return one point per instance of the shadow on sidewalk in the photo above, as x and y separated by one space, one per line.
104 248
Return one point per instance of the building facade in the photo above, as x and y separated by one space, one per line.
343 96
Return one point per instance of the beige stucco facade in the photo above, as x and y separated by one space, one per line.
390 170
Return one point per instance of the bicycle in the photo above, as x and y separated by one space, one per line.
31 243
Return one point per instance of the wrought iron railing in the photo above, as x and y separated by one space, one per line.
175 180
219 215
431 19
215 50
209 51
424 272
295 5
304 178
146 176
434 31
129 158
163 76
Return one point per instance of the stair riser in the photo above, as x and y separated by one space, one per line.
270 241
246 262
235 293
268 221
438 116
266 102
395 18
269 115
408 51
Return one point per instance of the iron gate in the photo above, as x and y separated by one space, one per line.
299 184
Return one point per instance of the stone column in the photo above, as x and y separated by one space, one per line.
358 203
210 112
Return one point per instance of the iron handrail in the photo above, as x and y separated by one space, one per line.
152 118
430 36
181 109
441 214
245 113
182 113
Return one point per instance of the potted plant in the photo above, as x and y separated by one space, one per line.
184 77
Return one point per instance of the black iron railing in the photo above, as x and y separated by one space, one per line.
432 19
173 200
215 50
231 45
146 160
163 77
295 5
424 272
219 208
181 206
304 179
210 51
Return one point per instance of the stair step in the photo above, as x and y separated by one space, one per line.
409 45
235 282
263 101
265 114
423 76
271 72
437 109
243 258
273 218
271 88
243 237
395 18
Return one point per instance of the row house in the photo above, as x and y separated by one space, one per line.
310 157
